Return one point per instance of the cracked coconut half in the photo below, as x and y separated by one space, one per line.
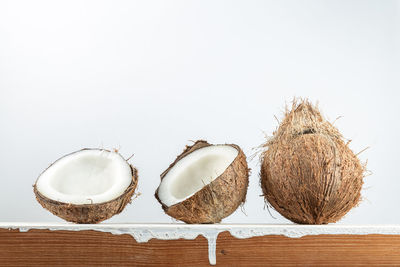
87 186
308 173
205 184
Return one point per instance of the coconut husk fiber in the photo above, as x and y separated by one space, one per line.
216 200
308 172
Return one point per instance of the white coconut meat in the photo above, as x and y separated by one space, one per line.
88 176
193 172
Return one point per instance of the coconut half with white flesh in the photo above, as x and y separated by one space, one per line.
87 186
205 184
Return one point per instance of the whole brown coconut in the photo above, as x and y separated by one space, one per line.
214 201
88 213
308 173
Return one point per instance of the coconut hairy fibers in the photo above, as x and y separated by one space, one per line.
308 172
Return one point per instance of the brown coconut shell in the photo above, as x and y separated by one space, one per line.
216 200
89 213
308 173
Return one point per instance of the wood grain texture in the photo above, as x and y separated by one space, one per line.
91 248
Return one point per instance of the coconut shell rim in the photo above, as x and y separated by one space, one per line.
134 181
77 151
132 187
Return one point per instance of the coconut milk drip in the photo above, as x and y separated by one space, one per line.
145 232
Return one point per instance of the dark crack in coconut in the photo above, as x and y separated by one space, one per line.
205 184
308 173
87 186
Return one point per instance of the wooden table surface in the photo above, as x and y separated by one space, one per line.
93 248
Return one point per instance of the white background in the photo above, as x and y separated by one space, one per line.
148 76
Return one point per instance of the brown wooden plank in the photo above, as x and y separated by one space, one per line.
91 248
321 250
